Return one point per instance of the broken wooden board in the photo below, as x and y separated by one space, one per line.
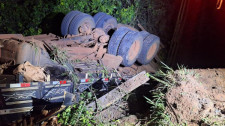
115 111
119 92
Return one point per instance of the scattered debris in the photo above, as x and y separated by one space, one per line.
5 66
31 73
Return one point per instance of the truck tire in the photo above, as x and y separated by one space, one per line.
67 20
127 26
130 47
115 40
150 47
78 21
98 16
105 21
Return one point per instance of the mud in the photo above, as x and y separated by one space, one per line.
198 95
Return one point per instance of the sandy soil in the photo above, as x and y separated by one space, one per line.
198 97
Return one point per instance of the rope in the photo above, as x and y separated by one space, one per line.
219 4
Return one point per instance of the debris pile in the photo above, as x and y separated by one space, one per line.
44 74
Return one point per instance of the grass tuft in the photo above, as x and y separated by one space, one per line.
158 103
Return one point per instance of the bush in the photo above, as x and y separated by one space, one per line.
123 10
26 16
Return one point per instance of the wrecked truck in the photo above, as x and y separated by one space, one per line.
95 49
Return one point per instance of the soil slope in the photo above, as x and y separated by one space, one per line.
198 97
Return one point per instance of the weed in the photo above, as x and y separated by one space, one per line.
184 71
105 72
61 57
36 50
158 102
210 121
78 114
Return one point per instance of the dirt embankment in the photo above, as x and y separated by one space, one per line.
198 97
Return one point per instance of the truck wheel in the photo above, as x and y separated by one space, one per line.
130 47
67 20
115 40
82 23
127 26
105 21
150 47
98 16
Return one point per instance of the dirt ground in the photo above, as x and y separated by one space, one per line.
198 97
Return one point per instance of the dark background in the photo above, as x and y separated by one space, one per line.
200 41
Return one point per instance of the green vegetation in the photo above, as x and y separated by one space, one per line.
158 102
211 121
62 58
78 114
123 10
23 16
32 17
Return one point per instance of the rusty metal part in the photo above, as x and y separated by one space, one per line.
100 35
111 61
104 38
60 43
19 52
97 32
80 39
101 51
54 111
119 92
90 57
78 50
41 37
8 36
89 44
80 53
85 29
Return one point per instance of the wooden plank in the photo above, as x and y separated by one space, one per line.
119 92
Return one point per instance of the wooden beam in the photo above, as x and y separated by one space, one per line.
119 92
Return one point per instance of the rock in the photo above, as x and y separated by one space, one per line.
131 120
